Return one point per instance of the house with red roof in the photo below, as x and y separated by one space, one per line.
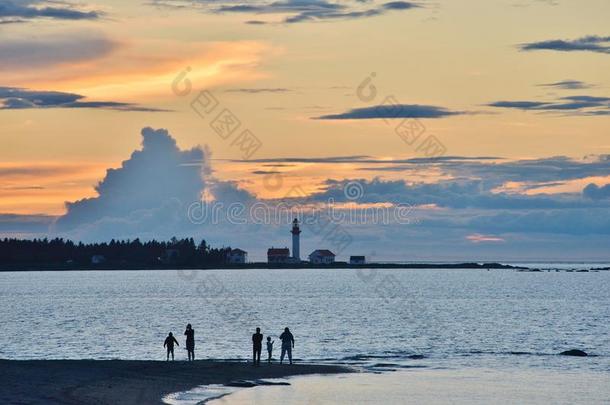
321 256
278 255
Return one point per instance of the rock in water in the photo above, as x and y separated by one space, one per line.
574 352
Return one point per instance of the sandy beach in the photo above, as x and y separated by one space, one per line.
127 382
463 386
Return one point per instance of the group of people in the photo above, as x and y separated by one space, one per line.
257 345
170 340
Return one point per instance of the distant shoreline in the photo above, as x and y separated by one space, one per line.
255 265
129 381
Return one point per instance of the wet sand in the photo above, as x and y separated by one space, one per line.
463 386
127 382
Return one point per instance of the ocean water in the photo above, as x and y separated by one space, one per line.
379 320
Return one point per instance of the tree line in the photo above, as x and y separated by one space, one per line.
59 251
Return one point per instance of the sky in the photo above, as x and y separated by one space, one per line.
404 130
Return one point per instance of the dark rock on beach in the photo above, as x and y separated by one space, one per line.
253 383
574 352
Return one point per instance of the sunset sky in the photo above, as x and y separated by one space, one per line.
516 93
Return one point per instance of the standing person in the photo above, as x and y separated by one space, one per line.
190 341
257 347
269 348
287 344
169 343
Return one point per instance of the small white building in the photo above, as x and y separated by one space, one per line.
357 260
237 256
322 256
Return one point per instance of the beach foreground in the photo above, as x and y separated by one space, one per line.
127 382
462 386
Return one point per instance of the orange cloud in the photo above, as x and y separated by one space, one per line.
563 186
274 180
478 238
145 68
27 187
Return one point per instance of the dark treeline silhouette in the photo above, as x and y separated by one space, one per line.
58 251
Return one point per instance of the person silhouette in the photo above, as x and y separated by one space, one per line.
257 347
169 343
190 341
287 345
269 348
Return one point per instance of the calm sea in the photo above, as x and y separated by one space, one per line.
380 320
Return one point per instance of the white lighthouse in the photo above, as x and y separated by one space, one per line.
296 243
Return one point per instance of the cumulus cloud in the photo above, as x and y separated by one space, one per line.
34 9
15 98
229 192
152 184
590 43
595 192
295 11
392 111
150 194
